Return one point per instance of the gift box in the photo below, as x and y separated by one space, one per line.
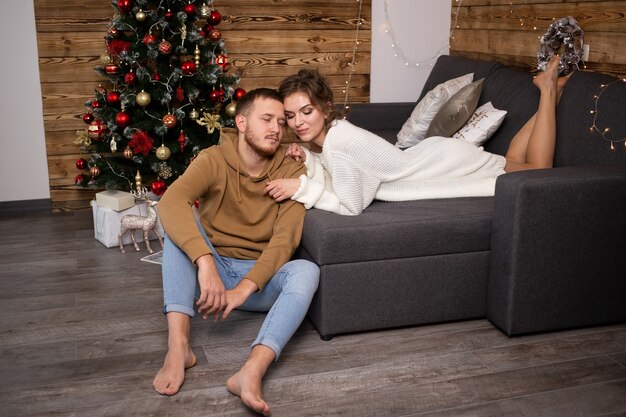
115 199
106 225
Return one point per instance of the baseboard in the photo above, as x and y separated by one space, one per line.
25 207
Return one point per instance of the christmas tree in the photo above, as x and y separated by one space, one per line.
166 96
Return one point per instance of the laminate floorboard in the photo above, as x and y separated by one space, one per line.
81 334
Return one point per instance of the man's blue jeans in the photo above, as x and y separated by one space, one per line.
286 296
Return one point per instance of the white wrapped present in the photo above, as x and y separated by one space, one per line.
115 199
106 225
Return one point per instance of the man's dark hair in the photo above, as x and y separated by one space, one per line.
245 103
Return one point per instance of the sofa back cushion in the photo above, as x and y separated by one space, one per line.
577 143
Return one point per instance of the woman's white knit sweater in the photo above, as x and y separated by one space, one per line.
357 166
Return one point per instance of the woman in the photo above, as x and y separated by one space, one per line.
355 166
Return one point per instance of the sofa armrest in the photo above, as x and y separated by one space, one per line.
557 249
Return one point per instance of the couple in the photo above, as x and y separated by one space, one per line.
237 254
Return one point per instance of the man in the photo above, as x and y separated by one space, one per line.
238 251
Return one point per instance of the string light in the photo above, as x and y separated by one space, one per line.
594 126
398 52
352 63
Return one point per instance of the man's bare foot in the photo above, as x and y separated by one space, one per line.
171 376
247 384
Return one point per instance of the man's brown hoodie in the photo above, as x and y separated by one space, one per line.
240 220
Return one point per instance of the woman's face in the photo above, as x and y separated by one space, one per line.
306 120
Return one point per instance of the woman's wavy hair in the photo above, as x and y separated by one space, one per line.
316 87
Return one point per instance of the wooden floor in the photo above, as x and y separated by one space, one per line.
81 334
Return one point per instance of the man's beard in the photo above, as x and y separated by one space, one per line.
255 145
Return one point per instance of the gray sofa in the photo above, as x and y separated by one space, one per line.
547 252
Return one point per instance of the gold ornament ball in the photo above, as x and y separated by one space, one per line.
169 120
140 16
143 98
105 59
163 152
95 171
128 153
193 114
231 108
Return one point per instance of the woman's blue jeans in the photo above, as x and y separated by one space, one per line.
286 296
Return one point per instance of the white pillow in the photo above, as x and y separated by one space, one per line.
414 129
483 123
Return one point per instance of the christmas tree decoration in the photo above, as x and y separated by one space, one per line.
182 140
113 97
96 129
122 119
231 109
158 187
81 163
95 171
80 180
140 15
239 93
163 152
161 69
169 120
214 18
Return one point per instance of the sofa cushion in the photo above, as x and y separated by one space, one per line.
453 115
577 144
483 123
387 230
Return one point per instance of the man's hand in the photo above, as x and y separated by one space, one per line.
238 295
212 293
282 189
295 151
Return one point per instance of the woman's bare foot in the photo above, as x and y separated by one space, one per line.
247 384
548 80
171 376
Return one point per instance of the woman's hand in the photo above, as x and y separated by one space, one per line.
295 151
282 189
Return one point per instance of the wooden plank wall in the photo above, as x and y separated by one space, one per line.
266 40
509 31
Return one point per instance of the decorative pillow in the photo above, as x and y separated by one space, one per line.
453 115
414 129
483 123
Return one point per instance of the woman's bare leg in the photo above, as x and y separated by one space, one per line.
533 146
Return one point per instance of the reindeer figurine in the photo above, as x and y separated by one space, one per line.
135 222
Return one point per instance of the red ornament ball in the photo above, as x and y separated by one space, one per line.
81 163
156 77
80 179
214 96
122 119
130 78
239 93
87 118
165 47
100 90
206 29
214 18
169 120
96 129
149 38
95 104
158 187
112 69
190 9
125 6
113 97
188 67
169 15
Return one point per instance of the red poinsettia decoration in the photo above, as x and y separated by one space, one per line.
141 143
117 46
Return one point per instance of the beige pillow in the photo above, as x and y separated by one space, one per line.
483 123
453 115
414 129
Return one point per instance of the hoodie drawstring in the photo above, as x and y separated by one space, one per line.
238 183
